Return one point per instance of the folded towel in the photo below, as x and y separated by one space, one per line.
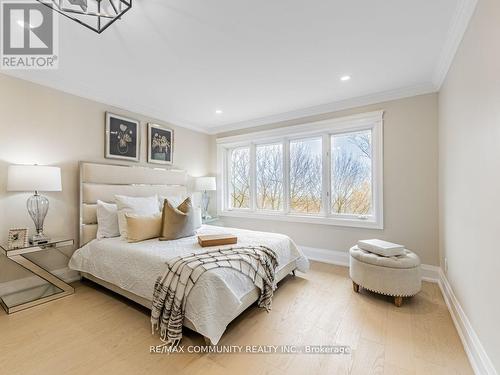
383 248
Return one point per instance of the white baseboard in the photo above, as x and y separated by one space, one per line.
480 362
479 359
9 287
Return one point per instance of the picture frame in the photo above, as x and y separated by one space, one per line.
123 138
160 144
18 238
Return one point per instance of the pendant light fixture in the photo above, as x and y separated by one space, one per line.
96 15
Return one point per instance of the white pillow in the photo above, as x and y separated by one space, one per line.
134 205
107 220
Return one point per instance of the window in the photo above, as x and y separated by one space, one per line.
306 175
328 172
269 176
351 173
239 185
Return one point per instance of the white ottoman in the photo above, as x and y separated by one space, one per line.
397 276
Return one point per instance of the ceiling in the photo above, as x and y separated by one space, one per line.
256 61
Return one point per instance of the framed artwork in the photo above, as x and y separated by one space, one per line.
18 238
160 144
122 137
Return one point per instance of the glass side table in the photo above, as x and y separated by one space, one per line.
37 291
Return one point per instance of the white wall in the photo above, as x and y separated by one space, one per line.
469 175
45 126
410 183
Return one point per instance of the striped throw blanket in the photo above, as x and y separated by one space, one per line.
173 287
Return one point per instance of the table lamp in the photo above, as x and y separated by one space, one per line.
35 178
205 184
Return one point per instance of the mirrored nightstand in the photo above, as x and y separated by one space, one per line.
39 288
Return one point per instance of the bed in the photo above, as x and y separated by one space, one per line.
131 269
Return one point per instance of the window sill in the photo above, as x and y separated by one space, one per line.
335 221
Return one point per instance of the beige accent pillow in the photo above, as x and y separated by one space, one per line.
134 205
177 222
142 227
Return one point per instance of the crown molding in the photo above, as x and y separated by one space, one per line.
360 120
336 106
121 103
458 27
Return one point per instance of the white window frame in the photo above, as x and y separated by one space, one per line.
367 121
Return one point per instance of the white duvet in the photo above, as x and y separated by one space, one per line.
217 295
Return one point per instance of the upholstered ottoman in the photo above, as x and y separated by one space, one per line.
397 276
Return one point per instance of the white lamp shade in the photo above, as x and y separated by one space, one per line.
205 184
33 178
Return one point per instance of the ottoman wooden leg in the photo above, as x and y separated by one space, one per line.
355 287
398 301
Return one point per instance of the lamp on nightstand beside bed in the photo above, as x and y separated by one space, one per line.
35 178
205 184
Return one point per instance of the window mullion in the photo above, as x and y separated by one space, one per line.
286 176
326 178
253 178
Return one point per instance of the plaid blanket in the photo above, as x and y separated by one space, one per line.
172 288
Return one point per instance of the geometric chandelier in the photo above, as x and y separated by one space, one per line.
97 15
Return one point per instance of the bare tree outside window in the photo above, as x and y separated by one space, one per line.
351 173
305 175
363 142
240 178
269 176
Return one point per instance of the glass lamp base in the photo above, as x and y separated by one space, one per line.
205 201
39 239
38 206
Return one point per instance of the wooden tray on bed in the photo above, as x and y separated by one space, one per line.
216 240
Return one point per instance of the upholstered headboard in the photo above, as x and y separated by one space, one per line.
103 181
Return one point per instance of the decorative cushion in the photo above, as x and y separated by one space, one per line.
107 220
393 276
177 222
135 205
175 200
141 227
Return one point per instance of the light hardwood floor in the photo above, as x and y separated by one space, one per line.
98 332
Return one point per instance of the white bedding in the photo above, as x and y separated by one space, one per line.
217 295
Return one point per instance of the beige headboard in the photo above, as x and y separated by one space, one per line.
103 181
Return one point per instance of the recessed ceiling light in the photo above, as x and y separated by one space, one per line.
218 112
345 78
